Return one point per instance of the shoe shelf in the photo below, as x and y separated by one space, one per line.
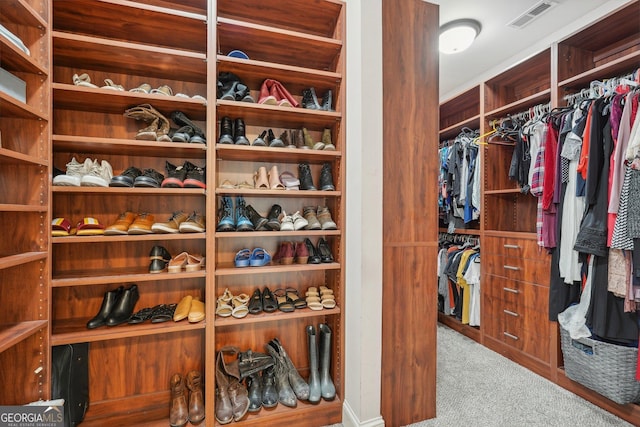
14 260
275 116
71 97
281 46
22 13
129 191
128 238
299 313
271 154
117 275
278 193
13 207
227 269
287 234
460 111
70 331
12 334
12 107
309 414
132 147
12 157
128 58
14 59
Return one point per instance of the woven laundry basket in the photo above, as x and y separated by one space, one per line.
608 369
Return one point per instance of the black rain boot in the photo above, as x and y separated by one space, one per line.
108 303
304 175
326 178
310 100
326 385
314 375
327 101
226 131
239 137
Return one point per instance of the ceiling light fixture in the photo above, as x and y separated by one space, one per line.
458 35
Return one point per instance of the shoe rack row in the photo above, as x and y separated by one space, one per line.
133 152
280 202
25 122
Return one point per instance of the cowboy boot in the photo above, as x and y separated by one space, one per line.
286 396
298 384
237 391
224 410
327 387
196 398
178 414
314 375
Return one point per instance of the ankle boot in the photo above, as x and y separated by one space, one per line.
123 308
298 384
178 414
326 178
310 100
224 411
286 396
239 137
242 221
227 83
298 138
304 175
308 141
255 392
196 398
256 219
327 388
226 218
108 303
314 375
181 119
273 218
269 392
226 131
326 140
327 101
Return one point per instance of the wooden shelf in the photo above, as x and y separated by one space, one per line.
229 270
274 317
287 234
96 145
473 232
126 57
520 105
279 193
6 207
9 261
12 334
154 237
20 12
263 42
117 275
71 97
70 331
13 58
452 131
504 191
272 154
627 63
13 157
11 107
138 191
275 116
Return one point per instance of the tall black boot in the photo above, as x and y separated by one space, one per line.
108 303
326 384
239 137
226 131
314 375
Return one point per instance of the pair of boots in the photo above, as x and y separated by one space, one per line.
236 218
232 398
272 92
320 383
180 411
310 100
306 179
231 88
117 307
289 384
232 132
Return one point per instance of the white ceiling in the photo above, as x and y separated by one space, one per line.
499 46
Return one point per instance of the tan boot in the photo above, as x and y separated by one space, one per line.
179 414
196 398
224 410
326 139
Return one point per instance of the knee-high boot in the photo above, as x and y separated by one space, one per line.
314 375
326 385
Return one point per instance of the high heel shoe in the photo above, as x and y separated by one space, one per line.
108 303
123 308
325 250
314 256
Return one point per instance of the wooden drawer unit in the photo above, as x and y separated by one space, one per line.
519 294
513 247
512 267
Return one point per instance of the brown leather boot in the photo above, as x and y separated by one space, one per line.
196 399
179 414
224 410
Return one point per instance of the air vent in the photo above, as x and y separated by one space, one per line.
535 11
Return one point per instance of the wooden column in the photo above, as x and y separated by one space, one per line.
410 165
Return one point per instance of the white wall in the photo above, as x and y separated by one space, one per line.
364 214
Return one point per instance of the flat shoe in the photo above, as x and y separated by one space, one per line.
182 310
285 303
194 262
178 262
255 305
196 312
142 315
269 304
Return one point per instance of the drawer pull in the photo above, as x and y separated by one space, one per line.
513 291
506 246
511 313
511 267
513 337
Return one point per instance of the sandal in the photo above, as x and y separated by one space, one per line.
240 308
143 88
285 303
163 313
255 305
142 315
243 258
313 299
83 80
259 258
269 303
109 84
194 262
223 304
327 299
163 90
293 295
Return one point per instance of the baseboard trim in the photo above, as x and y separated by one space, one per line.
349 418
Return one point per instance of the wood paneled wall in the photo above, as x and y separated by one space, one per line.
409 312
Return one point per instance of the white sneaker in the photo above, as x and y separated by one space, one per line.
98 175
286 223
298 221
73 175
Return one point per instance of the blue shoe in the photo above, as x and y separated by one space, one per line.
243 223
259 258
242 258
225 215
